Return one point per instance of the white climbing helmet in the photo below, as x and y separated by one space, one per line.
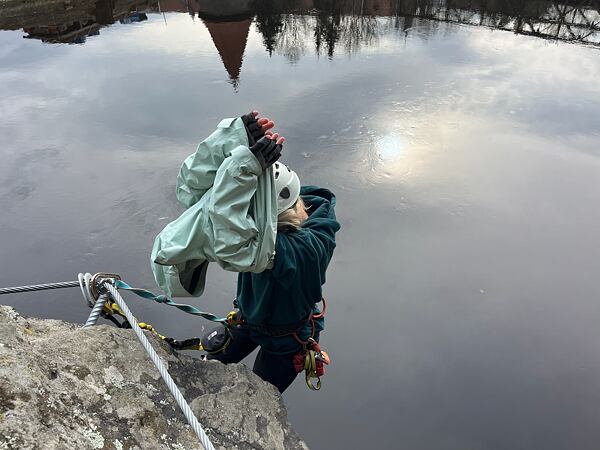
287 186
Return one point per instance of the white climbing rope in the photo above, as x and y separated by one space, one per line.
96 310
185 407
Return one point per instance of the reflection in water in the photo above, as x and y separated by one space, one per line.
230 40
75 23
352 23
285 26
391 146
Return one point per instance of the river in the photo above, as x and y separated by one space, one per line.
462 139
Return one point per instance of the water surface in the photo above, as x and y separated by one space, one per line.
463 295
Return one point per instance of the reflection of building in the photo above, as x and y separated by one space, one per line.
62 22
227 21
230 39
74 33
225 10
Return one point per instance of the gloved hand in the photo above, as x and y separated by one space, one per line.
267 150
255 127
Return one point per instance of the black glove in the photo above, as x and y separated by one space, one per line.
253 129
266 152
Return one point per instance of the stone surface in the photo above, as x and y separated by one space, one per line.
63 387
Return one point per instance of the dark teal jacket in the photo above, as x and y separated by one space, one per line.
287 293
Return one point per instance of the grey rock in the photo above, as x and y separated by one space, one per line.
64 387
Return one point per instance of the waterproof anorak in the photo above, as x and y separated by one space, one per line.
287 293
231 215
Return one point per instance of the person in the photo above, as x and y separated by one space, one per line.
278 306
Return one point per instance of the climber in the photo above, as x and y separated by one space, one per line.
278 306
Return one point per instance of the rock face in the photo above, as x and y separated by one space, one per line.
63 387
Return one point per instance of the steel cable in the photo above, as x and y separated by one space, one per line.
39 287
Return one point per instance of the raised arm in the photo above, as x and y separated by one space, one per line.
235 235
197 174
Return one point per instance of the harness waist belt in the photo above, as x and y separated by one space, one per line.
277 330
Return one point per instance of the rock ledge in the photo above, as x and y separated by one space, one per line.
63 387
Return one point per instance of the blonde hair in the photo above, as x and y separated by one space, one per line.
290 219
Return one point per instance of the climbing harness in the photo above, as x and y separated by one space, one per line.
311 359
100 292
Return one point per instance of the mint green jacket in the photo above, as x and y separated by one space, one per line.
231 216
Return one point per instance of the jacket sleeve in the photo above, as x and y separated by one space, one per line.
235 233
197 174
310 248
323 225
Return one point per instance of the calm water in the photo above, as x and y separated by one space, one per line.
464 294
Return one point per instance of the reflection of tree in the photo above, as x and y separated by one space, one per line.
570 20
345 23
295 32
354 23
287 28
358 31
327 28
269 21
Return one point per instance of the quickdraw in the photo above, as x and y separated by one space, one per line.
312 360
111 309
